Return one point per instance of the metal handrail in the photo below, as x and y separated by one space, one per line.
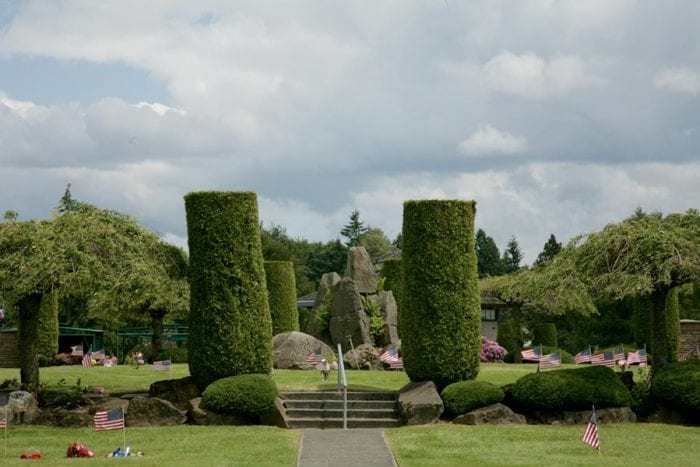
343 385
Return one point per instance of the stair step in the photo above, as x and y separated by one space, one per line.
338 413
334 395
338 423
338 405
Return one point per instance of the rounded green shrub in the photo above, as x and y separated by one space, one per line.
282 296
248 396
440 319
677 385
545 334
465 396
571 389
230 326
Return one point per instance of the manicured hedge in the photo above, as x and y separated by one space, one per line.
47 332
571 389
673 327
441 310
246 395
545 334
506 338
465 396
282 296
678 385
230 325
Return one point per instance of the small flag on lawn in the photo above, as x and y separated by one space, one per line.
109 419
639 356
533 354
314 357
87 361
551 360
162 365
590 434
391 357
604 359
583 356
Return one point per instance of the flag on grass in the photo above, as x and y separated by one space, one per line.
533 354
590 434
603 359
162 365
583 356
638 356
109 419
551 360
314 357
619 354
392 358
87 361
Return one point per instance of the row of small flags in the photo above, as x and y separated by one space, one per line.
608 358
160 365
544 361
391 357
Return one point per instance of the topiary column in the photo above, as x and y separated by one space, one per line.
230 328
282 296
441 312
545 334
47 334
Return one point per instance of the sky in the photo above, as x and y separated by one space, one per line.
556 117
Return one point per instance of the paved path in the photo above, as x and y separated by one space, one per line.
363 447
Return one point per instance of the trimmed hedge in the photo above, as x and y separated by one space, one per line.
47 332
392 272
673 327
441 310
230 325
282 296
506 338
571 389
245 395
678 385
465 396
545 334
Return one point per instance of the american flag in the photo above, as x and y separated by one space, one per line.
603 359
3 422
109 419
87 361
532 354
314 357
590 434
639 356
551 360
583 356
391 356
162 365
619 354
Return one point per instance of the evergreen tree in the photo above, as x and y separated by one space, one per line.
550 249
512 256
397 240
354 229
488 257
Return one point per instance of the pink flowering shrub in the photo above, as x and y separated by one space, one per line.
491 351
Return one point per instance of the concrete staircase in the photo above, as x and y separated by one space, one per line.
324 409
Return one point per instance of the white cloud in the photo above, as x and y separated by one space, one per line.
680 79
489 140
529 75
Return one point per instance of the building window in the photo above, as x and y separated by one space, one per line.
488 314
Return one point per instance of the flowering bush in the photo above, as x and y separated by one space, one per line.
491 351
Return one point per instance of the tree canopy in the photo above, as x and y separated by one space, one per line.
549 251
354 229
489 262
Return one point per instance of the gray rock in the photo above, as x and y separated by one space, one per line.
364 357
64 418
420 403
152 411
387 303
198 415
22 407
177 391
326 286
578 417
291 348
495 414
360 269
276 416
348 317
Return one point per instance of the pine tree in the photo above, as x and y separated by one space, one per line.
512 256
488 257
354 229
550 250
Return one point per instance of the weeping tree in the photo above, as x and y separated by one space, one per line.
644 255
440 316
81 250
230 324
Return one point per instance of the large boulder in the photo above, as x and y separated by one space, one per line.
198 415
325 287
495 414
387 303
348 317
177 391
420 403
579 417
291 348
363 357
152 411
64 418
361 270
21 407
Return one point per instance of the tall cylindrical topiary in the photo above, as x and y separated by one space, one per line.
282 296
440 321
47 332
673 327
545 334
230 326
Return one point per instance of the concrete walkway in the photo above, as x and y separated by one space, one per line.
344 448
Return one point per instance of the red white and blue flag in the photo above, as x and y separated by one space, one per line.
551 360
583 356
87 361
619 354
533 354
314 357
392 358
604 359
590 434
162 365
109 419
637 357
